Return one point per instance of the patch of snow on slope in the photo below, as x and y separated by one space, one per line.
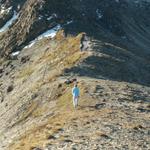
52 16
3 10
49 33
68 22
31 44
15 53
9 23
40 17
99 14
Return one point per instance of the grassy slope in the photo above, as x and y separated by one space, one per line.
65 53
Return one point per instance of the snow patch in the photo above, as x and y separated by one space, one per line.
68 22
99 14
10 22
3 10
15 53
52 16
49 18
31 44
40 17
49 33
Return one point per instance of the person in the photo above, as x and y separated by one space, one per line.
75 94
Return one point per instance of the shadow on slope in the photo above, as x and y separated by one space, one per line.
119 57
113 63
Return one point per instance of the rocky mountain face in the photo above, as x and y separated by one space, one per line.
45 44
93 17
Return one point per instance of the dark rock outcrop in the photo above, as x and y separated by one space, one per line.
101 19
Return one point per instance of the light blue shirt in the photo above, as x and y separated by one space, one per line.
75 91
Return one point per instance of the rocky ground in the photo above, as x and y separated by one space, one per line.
108 117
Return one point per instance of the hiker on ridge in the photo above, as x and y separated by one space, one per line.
75 94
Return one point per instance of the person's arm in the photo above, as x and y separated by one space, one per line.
72 91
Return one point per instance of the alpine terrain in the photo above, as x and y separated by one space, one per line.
47 46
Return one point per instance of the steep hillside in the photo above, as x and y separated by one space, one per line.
104 44
123 22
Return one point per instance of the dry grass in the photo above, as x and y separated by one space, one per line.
41 110
64 113
28 113
39 135
65 55
26 72
1 61
131 125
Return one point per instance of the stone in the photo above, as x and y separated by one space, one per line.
1 70
68 141
51 137
36 148
99 106
24 59
10 89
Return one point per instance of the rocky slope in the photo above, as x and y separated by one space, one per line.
128 20
102 43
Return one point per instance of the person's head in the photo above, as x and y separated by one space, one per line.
75 85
